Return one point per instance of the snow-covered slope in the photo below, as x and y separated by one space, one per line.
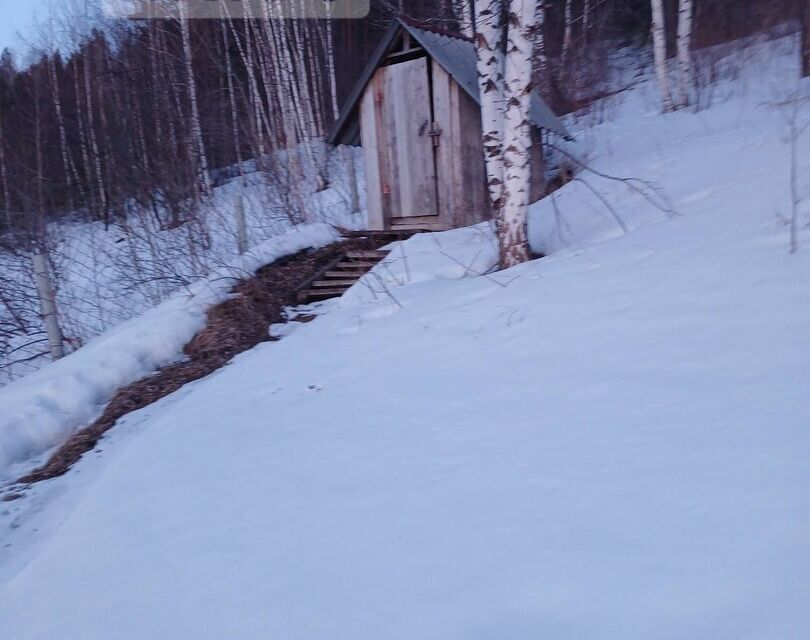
42 409
107 274
610 442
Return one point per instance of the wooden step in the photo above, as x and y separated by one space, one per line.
370 233
419 228
348 273
355 264
392 234
367 253
309 294
326 284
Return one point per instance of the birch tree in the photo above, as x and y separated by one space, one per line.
685 83
804 46
659 36
586 20
568 33
517 140
4 186
684 54
463 11
197 144
489 44
504 44
540 42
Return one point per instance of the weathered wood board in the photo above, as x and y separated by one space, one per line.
371 142
407 116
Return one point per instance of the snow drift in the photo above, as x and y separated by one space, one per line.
609 443
40 410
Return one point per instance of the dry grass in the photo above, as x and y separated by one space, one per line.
233 326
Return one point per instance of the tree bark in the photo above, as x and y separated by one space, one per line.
60 121
47 305
4 187
540 45
685 11
198 146
517 141
586 20
660 53
490 66
568 34
463 11
804 48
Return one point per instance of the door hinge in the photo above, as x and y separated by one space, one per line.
435 133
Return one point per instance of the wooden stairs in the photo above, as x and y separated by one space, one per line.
361 255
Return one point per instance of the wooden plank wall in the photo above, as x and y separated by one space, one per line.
462 177
475 203
407 109
397 161
370 139
450 186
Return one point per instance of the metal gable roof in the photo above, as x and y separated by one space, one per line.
457 57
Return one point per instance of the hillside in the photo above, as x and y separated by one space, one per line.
608 442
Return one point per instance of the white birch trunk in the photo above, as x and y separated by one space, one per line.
241 226
247 55
330 68
586 19
287 96
660 52
309 103
540 42
4 179
490 66
568 34
88 172
804 45
463 11
685 12
91 130
47 304
517 140
237 140
60 121
200 158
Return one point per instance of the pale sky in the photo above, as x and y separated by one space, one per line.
22 16
17 15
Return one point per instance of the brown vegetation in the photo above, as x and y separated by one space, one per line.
234 326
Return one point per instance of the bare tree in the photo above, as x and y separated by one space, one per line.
804 47
685 78
659 36
792 109
512 236
568 33
489 42
464 14
505 86
197 144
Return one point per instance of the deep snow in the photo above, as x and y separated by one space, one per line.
104 275
610 442
43 408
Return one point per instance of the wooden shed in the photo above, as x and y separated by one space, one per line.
415 110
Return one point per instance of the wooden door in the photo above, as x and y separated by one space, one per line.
407 162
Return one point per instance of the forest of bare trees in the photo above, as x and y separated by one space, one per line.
152 112
107 117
